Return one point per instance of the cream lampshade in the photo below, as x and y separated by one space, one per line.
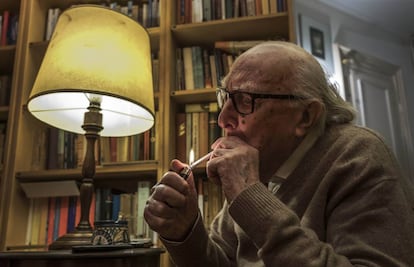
95 79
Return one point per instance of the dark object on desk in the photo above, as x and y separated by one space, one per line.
144 243
99 248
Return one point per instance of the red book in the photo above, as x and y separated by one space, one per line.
5 27
63 219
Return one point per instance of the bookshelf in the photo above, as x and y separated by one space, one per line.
22 164
27 150
8 68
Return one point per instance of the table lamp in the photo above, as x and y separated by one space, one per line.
95 79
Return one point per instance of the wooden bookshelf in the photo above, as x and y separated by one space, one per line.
23 129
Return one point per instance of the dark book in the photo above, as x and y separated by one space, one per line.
214 131
198 67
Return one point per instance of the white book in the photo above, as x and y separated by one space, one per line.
188 68
142 197
49 24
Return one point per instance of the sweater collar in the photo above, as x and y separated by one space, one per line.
293 161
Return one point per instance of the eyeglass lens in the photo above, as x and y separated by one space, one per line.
242 101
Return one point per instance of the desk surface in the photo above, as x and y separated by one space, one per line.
131 257
68 254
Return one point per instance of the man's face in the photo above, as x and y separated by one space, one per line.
271 128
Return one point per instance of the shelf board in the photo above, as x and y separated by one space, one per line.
194 96
273 26
121 176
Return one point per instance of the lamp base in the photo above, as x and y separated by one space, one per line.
75 238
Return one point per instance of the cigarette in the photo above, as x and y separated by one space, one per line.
185 172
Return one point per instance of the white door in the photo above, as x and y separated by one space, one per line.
373 87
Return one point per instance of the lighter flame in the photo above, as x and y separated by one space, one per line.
191 156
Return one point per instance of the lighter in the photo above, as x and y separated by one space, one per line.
185 172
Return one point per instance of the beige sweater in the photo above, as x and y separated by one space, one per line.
345 205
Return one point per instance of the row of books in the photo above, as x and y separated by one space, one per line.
8 27
197 129
53 217
210 199
5 88
192 11
67 150
199 67
145 12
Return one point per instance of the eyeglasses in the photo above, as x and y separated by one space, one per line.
244 102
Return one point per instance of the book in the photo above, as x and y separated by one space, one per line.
105 204
213 70
50 219
72 214
52 155
63 215
36 221
43 223
273 6
214 131
265 7
29 228
197 11
236 47
180 78
188 68
116 206
143 192
188 16
207 12
56 218
208 83
198 66
180 11
4 28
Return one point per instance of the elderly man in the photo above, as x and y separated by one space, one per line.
303 185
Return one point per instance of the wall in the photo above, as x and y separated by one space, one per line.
359 35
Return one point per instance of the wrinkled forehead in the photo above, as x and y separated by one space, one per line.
265 68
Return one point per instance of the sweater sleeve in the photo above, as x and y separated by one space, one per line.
282 240
198 249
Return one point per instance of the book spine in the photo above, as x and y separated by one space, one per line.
64 212
142 196
116 206
50 219
188 68
5 27
198 66
71 214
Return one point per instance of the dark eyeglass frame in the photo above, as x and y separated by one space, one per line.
223 95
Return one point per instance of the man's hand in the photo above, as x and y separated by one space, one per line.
234 165
172 208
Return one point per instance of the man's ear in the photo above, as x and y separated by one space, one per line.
310 116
